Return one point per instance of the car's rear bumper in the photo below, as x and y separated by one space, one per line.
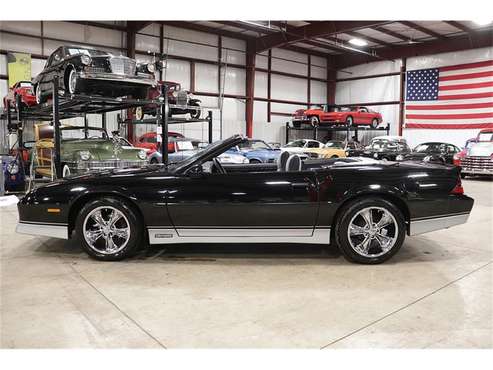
459 207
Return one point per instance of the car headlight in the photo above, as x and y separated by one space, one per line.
375 155
400 157
85 59
347 153
13 168
141 154
151 68
85 155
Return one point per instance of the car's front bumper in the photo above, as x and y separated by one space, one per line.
51 230
83 166
113 77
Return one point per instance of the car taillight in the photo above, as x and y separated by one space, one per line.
458 189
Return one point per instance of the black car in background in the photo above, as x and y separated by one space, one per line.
431 152
386 148
84 70
363 206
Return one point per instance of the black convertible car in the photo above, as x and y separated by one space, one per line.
90 71
386 148
363 206
431 152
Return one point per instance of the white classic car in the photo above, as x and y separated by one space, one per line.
478 159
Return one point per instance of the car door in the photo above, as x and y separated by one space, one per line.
363 115
249 204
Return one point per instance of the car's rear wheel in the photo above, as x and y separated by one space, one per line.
370 230
109 229
350 121
72 82
374 123
314 121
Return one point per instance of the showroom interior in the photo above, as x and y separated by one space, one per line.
275 82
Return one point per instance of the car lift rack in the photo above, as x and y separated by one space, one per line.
334 128
63 107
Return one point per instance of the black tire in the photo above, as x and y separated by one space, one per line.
350 121
135 224
195 114
66 81
342 224
314 121
40 98
334 156
374 123
253 160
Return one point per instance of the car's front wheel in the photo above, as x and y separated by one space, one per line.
314 121
370 230
374 123
38 94
108 229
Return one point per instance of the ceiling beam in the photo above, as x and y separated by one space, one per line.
423 29
459 26
391 33
116 27
201 28
136 26
456 43
315 29
247 27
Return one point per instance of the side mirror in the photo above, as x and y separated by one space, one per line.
196 172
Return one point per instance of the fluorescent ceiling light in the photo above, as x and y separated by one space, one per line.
482 22
358 42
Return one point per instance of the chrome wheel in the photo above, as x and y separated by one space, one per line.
72 81
106 230
373 232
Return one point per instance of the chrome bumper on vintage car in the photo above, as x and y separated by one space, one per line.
106 165
105 76
477 165
300 119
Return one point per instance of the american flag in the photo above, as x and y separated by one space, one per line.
453 97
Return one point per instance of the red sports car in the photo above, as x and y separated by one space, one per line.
24 89
149 141
331 115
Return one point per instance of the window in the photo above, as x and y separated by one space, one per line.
485 136
312 144
335 144
150 139
296 144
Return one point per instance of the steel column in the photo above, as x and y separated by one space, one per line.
209 124
402 97
56 126
250 87
162 120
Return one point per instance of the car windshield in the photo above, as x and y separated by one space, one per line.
429 147
254 145
295 144
335 144
78 133
485 136
340 109
203 153
25 84
383 144
90 52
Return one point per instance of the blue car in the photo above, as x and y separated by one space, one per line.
257 151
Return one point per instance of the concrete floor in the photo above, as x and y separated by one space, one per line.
437 292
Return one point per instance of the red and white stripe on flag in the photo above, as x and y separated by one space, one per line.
465 100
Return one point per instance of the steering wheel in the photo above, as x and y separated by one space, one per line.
218 166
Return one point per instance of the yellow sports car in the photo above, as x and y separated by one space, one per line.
335 149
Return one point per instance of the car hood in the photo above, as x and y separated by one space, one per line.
481 149
100 149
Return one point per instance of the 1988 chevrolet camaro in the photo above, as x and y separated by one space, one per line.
365 207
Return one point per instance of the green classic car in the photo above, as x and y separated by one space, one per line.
83 149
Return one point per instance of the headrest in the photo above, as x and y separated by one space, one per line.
294 163
281 161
